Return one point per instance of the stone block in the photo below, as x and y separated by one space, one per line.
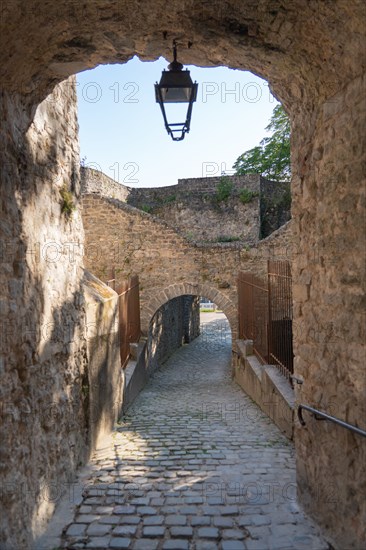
208 532
153 531
300 293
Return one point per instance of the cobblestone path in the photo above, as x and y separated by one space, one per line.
195 465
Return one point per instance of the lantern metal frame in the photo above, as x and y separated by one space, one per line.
176 86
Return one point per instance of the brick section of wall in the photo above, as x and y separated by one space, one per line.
94 181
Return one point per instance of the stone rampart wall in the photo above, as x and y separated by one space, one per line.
195 207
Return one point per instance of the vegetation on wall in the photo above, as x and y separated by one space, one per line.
169 199
157 203
67 204
224 189
271 158
246 195
227 239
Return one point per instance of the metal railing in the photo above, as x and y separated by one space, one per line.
320 415
111 283
265 315
280 348
253 313
129 314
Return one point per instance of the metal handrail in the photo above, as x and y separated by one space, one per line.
325 416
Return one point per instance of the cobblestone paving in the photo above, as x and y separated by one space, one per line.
195 465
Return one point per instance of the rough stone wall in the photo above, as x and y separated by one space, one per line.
193 206
329 302
295 46
192 320
174 324
95 182
44 426
266 386
275 205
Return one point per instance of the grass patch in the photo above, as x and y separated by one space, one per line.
224 189
246 195
170 198
67 206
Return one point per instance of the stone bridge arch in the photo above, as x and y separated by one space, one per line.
163 295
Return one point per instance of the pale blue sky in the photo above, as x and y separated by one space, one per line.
122 131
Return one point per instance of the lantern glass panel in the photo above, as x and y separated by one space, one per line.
176 86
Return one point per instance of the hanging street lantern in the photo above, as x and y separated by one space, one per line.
176 86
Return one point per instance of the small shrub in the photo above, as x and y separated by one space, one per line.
224 189
246 195
146 208
170 198
67 205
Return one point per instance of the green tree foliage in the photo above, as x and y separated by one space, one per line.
271 158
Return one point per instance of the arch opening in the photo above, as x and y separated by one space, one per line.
111 98
174 324
181 321
215 328
191 289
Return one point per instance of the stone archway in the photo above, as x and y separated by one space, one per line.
174 291
312 54
246 35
